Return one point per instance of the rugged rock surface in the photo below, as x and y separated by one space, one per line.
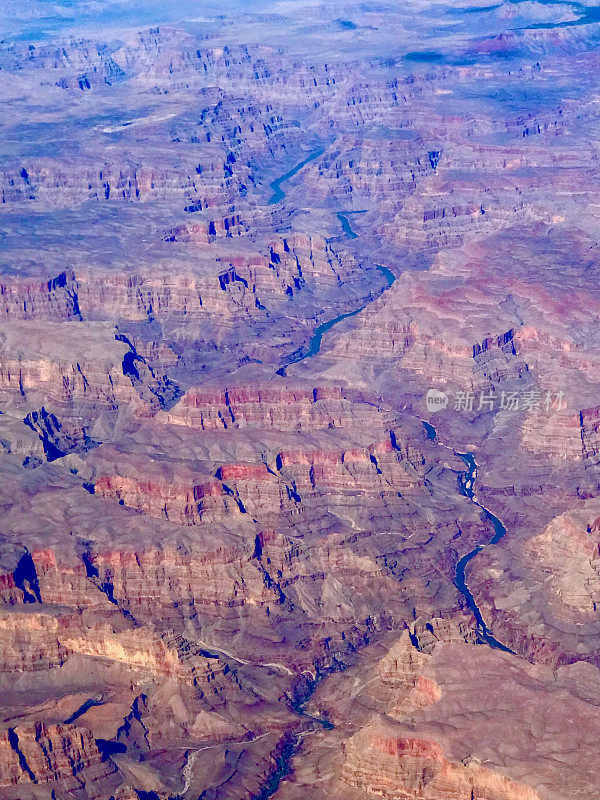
238 250
430 724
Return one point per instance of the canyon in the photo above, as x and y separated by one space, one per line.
243 554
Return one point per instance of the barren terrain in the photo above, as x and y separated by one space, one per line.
241 555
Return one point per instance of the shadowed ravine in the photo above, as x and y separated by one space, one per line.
291 745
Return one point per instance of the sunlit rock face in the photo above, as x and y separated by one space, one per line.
240 246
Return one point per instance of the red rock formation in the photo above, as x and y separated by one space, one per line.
189 537
383 759
65 756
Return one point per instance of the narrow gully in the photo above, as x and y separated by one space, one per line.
291 745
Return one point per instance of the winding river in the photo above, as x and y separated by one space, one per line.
343 217
316 340
291 746
314 346
466 483
466 480
278 193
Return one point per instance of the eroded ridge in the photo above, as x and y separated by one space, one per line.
299 421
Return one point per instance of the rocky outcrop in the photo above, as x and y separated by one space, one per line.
284 409
561 613
64 756
384 759
57 439
30 299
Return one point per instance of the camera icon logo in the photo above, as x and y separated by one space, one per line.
436 400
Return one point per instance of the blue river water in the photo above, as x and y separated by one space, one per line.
278 193
466 485
343 217
316 340
314 346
